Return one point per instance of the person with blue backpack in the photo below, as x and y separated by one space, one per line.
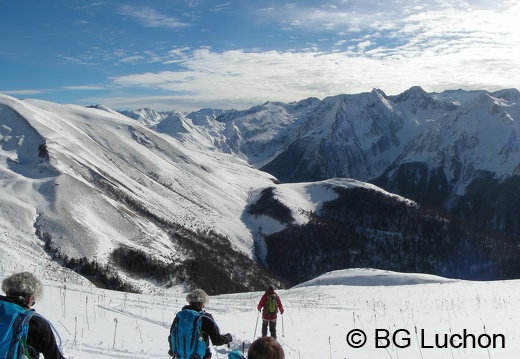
23 332
192 329
269 305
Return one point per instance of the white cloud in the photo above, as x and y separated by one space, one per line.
23 92
363 45
239 79
81 22
149 17
84 88
131 59
220 7
401 18
389 45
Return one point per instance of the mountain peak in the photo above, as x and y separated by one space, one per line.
379 92
512 95
413 93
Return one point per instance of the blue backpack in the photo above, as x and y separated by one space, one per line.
14 326
186 340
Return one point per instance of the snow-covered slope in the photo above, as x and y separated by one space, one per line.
372 277
442 149
465 133
148 116
360 136
318 322
83 182
95 180
81 176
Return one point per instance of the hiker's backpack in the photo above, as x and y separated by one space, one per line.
186 340
271 304
14 326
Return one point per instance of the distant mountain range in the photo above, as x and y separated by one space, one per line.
279 193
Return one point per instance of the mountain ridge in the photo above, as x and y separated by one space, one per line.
168 190
455 136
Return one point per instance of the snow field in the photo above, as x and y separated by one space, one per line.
318 319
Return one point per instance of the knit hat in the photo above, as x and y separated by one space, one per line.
197 296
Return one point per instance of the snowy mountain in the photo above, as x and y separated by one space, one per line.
442 149
99 193
160 205
360 136
143 201
94 189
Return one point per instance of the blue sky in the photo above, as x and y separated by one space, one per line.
190 54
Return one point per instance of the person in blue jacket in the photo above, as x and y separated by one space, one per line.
23 289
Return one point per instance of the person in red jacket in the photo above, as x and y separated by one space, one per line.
269 305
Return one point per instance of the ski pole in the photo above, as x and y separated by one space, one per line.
330 349
256 325
283 330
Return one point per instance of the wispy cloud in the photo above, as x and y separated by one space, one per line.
222 6
24 92
331 48
416 24
96 56
80 22
234 79
30 92
85 88
150 17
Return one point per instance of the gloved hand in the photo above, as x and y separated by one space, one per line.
281 312
229 338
